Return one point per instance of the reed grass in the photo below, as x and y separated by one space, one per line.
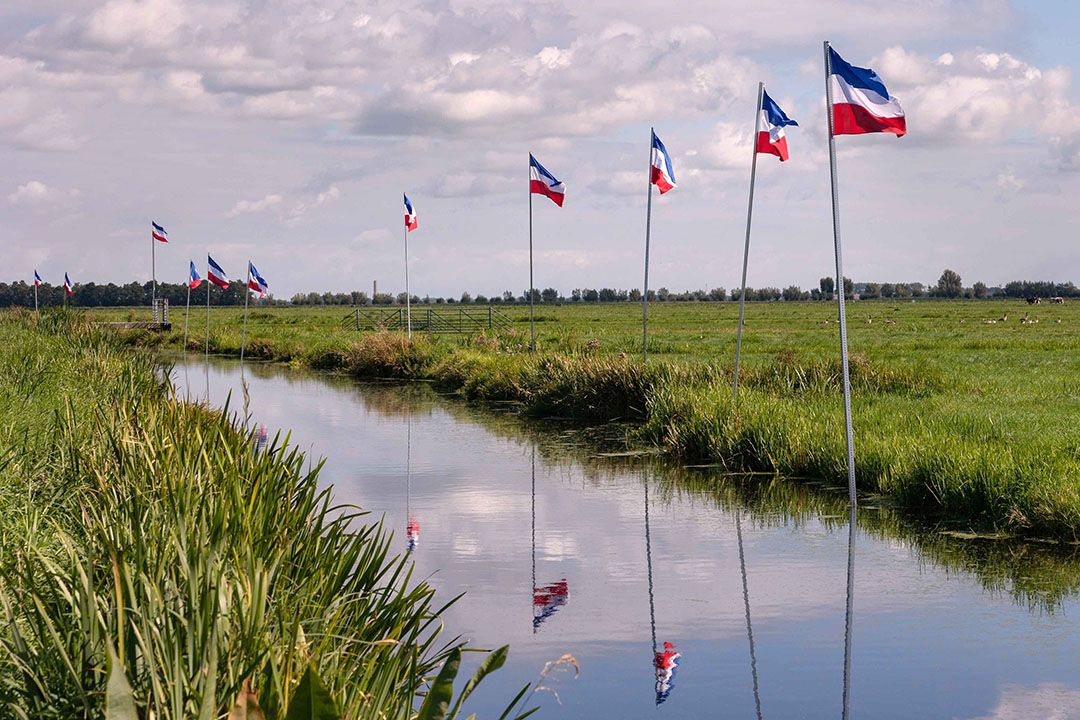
155 563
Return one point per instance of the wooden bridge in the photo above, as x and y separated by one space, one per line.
450 321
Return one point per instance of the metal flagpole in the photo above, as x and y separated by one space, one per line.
532 593
648 227
746 247
408 299
153 271
247 294
648 565
840 281
207 362
532 321
35 295
187 312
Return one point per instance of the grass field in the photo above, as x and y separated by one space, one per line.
956 418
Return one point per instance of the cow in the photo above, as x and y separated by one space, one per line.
1058 300
1034 300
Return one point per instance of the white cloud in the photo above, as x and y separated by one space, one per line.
36 194
244 207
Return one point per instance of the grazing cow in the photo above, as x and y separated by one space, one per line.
1058 300
1034 300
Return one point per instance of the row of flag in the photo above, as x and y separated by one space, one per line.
216 275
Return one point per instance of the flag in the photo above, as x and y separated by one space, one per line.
771 139
541 182
215 274
411 221
256 281
666 663
194 280
663 175
37 279
861 102
158 232
68 287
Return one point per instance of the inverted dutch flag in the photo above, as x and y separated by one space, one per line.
542 182
771 139
861 102
158 232
194 280
666 663
662 173
37 279
68 287
547 600
215 274
256 281
411 220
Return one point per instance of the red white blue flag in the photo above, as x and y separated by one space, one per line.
542 182
861 102
37 279
194 280
158 232
215 274
666 663
68 287
256 281
662 173
771 139
547 600
411 220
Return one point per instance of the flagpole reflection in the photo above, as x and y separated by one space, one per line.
746 605
849 614
546 599
666 659
412 525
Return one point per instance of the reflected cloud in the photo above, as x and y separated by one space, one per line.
1048 701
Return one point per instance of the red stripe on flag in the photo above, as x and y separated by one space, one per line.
539 187
660 181
411 222
159 237
851 119
223 284
767 146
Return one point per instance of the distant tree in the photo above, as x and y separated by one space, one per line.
607 295
590 295
383 299
575 295
480 300
903 290
507 296
979 290
663 294
718 294
634 295
888 290
815 294
651 296
916 289
871 291
849 288
827 286
792 293
949 285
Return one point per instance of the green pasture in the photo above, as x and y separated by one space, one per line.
964 410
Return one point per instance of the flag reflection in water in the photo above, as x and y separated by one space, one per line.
666 662
547 600
261 438
412 533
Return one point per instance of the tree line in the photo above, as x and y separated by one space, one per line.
134 294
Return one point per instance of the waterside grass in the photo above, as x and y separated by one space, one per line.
962 415
154 562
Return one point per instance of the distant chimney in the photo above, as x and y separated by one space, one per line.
374 290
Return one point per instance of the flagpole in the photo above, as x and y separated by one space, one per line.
153 271
746 247
648 228
746 606
408 298
208 312
35 296
187 312
247 294
532 320
840 280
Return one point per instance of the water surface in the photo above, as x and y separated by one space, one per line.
562 551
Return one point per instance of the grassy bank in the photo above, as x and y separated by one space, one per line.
155 563
958 419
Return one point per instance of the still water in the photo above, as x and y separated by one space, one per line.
680 592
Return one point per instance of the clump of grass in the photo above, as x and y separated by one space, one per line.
163 556
390 355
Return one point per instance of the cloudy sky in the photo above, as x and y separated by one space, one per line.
286 131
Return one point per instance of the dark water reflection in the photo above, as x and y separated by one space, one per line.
680 591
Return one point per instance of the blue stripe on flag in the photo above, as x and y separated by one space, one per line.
776 116
864 78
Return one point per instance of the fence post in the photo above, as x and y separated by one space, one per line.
489 317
